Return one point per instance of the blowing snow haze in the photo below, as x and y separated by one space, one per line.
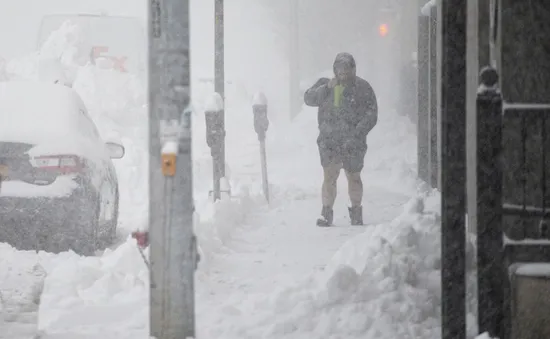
257 37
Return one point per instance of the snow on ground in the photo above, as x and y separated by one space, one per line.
276 281
382 283
20 289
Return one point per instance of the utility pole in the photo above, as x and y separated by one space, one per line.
173 253
219 72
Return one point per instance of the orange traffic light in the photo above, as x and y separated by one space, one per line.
383 29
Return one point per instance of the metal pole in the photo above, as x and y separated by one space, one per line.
484 31
265 181
433 124
473 58
294 59
219 71
215 135
422 125
490 266
453 167
172 242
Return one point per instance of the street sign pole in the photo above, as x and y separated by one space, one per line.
173 253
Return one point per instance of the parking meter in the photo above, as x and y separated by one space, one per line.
259 108
215 138
261 123
215 131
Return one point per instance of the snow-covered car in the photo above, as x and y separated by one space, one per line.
58 186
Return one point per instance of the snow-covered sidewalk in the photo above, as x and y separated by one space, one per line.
275 251
278 263
283 244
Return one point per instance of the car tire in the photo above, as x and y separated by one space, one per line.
79 230
108 230
87 228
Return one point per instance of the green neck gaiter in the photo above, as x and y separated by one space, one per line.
338 90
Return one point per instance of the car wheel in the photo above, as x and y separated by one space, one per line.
109 227
78 232
87 229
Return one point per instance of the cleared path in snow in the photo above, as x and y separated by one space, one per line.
280 245
285 245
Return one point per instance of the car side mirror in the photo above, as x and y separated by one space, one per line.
116 151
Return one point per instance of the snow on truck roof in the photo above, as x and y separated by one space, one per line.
36 111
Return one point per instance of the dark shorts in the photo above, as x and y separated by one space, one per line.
351 156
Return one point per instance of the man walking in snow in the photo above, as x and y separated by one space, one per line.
348 111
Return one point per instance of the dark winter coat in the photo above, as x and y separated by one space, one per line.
343 130
353 120
320 113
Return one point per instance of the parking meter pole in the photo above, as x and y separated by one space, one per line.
261 124
219 68
215 136
265 183
216 190
173 252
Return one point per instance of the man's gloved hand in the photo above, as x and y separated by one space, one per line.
332 83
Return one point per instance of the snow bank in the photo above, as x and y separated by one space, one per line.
20 289
107 296
59 57
484 336
384 283
381 284
86 296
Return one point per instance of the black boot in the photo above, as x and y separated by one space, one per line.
326 217
356 215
